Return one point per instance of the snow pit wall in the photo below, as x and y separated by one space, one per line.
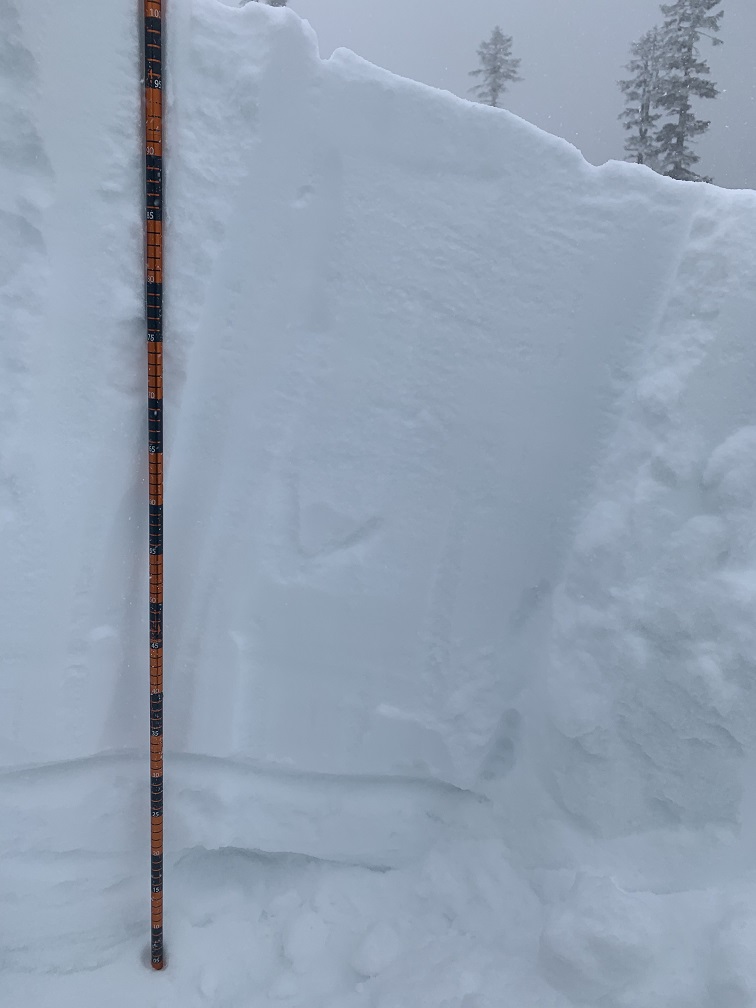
398 330
650 685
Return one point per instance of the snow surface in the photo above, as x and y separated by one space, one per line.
461 558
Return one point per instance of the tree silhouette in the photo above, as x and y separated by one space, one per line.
497 68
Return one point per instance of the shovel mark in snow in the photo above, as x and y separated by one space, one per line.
325 531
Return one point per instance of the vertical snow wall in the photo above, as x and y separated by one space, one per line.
401 329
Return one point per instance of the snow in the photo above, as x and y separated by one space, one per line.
461 564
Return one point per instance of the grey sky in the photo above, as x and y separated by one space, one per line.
572 54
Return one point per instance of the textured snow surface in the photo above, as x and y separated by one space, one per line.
461 541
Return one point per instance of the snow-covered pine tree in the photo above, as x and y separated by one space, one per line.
497 68
641 97
685 77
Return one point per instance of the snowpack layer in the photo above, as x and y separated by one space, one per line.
460 540
397 324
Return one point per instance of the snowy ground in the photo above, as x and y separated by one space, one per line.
461 559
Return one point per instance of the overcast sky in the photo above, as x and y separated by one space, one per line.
572 54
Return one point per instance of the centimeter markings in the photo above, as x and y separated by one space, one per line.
153 123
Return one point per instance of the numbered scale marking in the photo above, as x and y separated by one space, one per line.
153 121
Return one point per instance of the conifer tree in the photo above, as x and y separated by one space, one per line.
685 76
497 68
642 94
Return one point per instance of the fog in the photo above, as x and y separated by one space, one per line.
572 54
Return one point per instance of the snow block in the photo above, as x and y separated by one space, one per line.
396 327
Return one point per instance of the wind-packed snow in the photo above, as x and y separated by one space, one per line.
461 541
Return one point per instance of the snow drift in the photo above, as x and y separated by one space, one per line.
460 502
